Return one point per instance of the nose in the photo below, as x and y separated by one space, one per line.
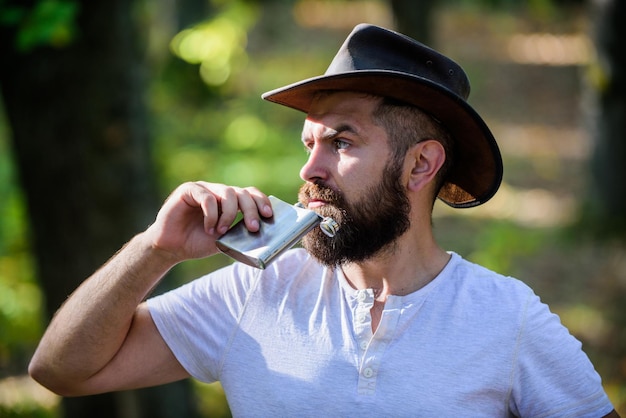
315 168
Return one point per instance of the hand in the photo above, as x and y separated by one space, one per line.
196 214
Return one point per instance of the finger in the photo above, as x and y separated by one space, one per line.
230 200
262 202
229 204
249 210
208 202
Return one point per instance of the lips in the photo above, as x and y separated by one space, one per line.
315 203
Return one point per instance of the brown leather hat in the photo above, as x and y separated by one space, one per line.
382 62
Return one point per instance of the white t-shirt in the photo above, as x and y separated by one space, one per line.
296 340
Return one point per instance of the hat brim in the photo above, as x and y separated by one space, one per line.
477 171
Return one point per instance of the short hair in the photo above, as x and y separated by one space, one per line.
407 125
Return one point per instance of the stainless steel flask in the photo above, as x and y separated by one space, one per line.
276 234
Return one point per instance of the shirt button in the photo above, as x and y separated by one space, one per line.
362 296
368 372
362 318
363 345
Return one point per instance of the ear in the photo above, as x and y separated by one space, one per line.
424 159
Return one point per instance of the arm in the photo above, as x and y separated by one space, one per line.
103 337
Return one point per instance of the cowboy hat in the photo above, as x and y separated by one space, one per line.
382 62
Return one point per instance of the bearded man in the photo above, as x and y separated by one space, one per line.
375 321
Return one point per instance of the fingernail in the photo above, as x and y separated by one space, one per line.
267 210
223 229
212 231
254 224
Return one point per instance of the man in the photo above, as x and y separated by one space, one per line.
376 321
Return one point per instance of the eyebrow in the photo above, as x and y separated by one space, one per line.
331 134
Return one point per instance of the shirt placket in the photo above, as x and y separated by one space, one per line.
372 346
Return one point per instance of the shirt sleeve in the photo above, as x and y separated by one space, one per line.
198 319
553 376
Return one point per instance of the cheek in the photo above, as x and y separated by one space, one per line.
350 177
358 176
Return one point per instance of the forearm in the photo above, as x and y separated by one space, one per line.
91 326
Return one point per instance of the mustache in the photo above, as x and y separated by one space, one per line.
317 191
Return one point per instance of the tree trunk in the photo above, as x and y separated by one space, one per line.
81 140
608 191
414 18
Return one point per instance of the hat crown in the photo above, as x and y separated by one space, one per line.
371 48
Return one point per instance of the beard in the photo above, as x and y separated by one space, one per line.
367 227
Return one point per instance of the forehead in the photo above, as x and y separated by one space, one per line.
344 102
329 110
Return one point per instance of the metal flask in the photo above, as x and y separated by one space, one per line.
276 234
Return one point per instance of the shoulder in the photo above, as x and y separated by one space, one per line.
483 284
483 299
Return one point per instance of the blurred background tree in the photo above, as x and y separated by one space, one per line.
607 203
74 83
414 18
110 105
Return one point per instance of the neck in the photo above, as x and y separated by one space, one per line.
412 263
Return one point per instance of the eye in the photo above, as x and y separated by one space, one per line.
340 144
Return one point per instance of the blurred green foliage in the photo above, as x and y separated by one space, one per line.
221 131
20 298
21 302
45 23
211 400
28 410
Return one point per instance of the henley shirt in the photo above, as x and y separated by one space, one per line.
296 340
